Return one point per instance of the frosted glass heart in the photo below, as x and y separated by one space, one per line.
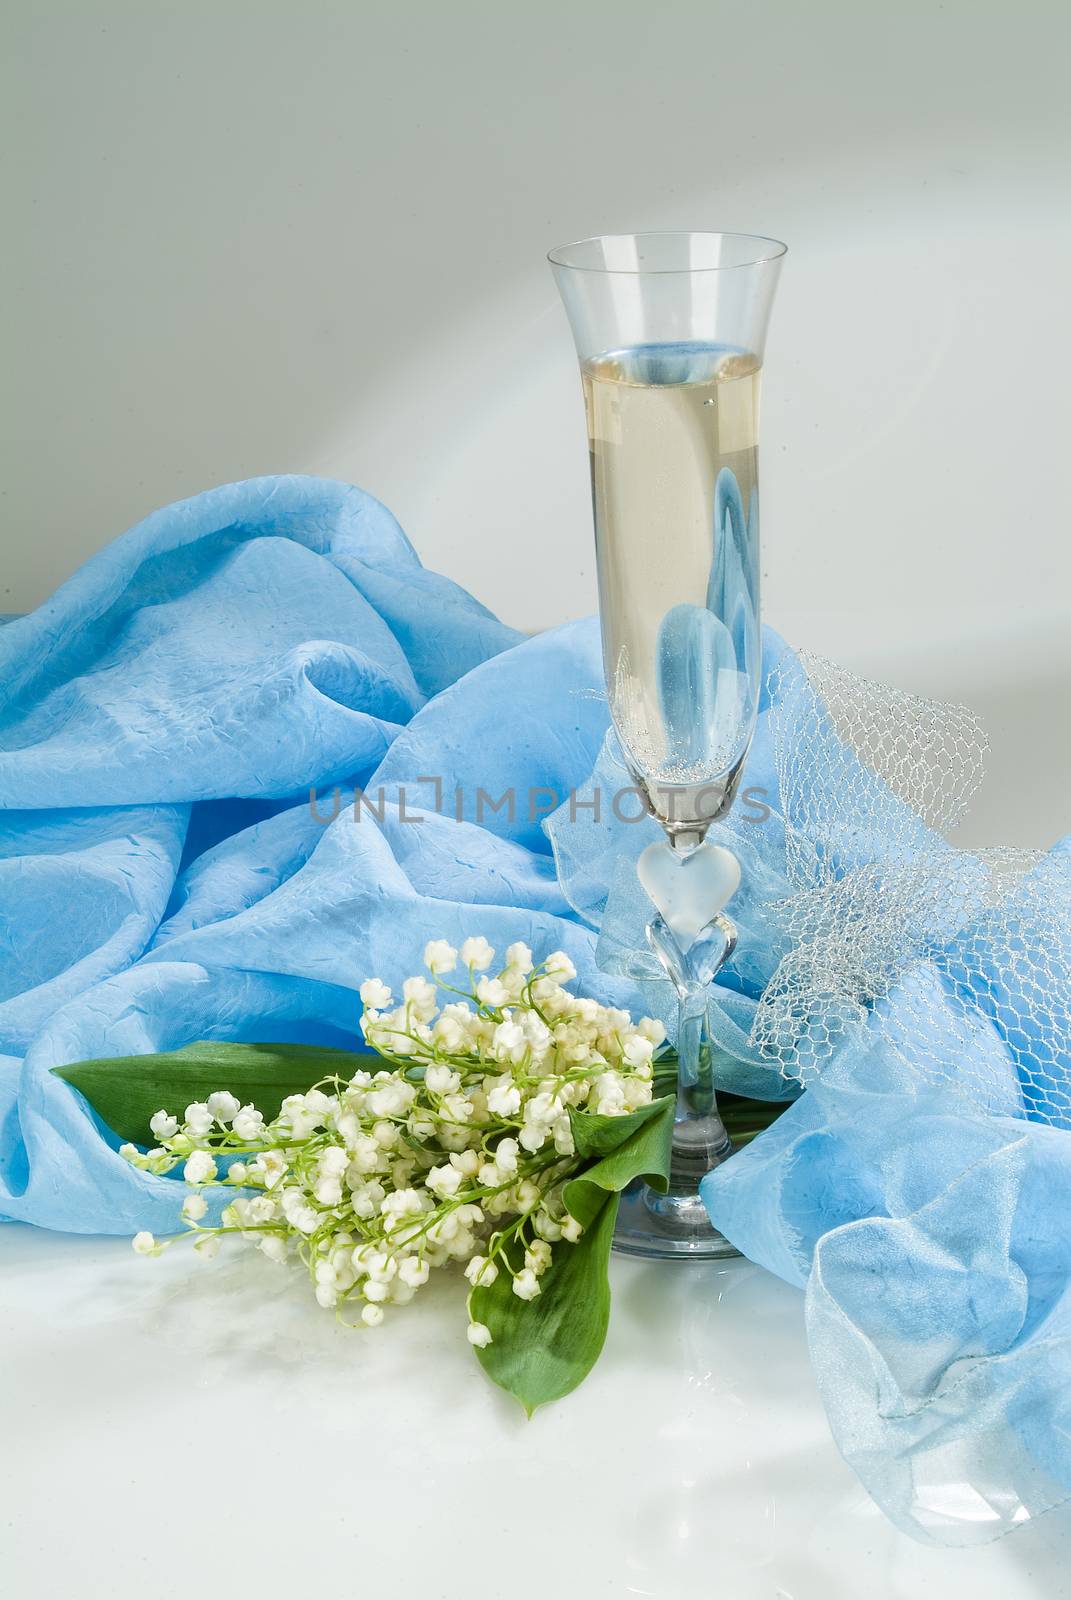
688 890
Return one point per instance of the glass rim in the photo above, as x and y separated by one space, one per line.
776 249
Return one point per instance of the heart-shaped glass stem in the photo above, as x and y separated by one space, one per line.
676 1223
690 888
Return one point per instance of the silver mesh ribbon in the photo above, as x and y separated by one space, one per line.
976 945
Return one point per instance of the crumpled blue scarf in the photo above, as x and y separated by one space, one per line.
166 876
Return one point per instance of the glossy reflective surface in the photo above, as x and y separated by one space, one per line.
695 1461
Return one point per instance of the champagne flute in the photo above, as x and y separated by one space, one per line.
670 330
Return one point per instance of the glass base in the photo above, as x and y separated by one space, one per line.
676 1224
661 1226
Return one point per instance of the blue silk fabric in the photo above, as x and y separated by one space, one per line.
186 729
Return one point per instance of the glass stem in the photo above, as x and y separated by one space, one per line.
699 1137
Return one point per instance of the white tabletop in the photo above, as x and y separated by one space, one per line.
177 1427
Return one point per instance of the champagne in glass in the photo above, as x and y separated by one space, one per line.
673 433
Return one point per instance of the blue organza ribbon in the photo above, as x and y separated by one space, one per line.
166 876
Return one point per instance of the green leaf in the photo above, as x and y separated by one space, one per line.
601 1136
626 1148
543 1348
125 1091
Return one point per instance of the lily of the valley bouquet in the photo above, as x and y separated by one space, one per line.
492 1123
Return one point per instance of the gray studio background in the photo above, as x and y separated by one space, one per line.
248 238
